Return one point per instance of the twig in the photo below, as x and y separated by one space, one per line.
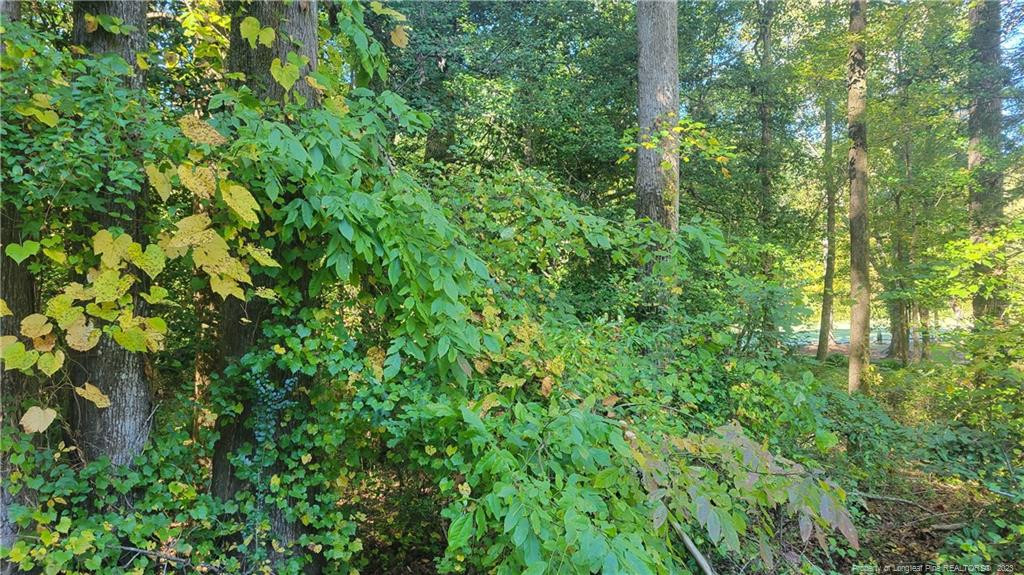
705 566
894 499
181 560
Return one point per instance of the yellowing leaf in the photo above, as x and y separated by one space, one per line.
81 336
94 395
91 23
160 181
201 180
225 287
200 132
171 59
262 256
37 419
4 310
151 261
50 362
111 285
400 36
36 325
286 75
141 62
250 30
56 255
190 231
267 36
112 250
241 202
132 338
16 357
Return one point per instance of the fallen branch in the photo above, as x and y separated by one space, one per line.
946 527
705 565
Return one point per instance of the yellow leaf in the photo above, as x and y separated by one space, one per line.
241 202
171 59
37 419
41 100
56 255
111 285
200 132
262 256
160 181
225 287
4 310
91 23
190 231
400 36
314 84
94 395
306 458
201 180
151 261
112 250
140 61
50 362
36 325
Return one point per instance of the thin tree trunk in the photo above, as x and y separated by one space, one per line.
657 169
926 334
828 294
983 147
764 168
857 165
121 430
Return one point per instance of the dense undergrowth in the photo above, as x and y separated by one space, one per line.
463 369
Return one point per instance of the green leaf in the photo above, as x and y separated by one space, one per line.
21 252
285 75
250 30
460 531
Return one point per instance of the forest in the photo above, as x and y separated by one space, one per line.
708 287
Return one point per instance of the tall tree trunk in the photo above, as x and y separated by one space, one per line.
983 147
657 169
764 160
296 24
828 295
857 168
121 430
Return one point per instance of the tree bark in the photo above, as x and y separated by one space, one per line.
983 147
828 295
657 169
857 167
121 430
764 168
296 24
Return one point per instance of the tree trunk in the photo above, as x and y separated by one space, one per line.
926 334
764 161
983 147
121 430
857 168
657 169
828 295
296 24
18 290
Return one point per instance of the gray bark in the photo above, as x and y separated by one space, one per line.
657 170
120 431
828 294
983 147
857 169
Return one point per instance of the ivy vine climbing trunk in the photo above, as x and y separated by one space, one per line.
657 167
121 430
828 294
857 170
985 131
296 31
